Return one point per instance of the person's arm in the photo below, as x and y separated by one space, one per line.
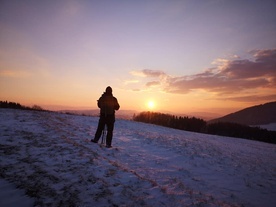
116 104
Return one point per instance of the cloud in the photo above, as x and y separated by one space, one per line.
148 73
226 77
251 98
153 83
153 73
264 65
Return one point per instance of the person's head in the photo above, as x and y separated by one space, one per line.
108 90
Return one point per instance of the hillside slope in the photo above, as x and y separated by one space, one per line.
51 158
255 115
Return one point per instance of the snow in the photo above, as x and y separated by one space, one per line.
47 159
270 127
12 197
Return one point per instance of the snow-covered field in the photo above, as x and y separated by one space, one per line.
50 158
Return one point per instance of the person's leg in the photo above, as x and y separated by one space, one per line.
110 127
99 129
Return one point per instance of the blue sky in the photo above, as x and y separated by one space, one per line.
67 52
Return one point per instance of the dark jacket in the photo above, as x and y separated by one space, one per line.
108 104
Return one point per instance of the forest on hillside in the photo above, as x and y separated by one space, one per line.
199 125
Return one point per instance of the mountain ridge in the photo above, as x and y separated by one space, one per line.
254 115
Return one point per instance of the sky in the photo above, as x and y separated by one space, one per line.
183 56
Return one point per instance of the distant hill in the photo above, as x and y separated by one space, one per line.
121 114
255 115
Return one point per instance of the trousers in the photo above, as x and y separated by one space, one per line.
108 121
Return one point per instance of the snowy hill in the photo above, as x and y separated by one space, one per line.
50 158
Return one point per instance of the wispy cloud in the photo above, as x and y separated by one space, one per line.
14 74
153 73
226 77
250 98
148 73
153 83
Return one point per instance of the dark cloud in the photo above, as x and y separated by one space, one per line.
268 56
264 65
230 76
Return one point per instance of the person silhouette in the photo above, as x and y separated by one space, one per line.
107 104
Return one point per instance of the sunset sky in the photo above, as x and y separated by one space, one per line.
180 56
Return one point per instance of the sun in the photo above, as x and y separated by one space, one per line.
151 104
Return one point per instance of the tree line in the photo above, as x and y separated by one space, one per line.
172 121
13 105
199 125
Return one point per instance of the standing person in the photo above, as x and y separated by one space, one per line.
108 104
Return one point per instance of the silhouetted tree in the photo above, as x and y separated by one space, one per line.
37 108
172 121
